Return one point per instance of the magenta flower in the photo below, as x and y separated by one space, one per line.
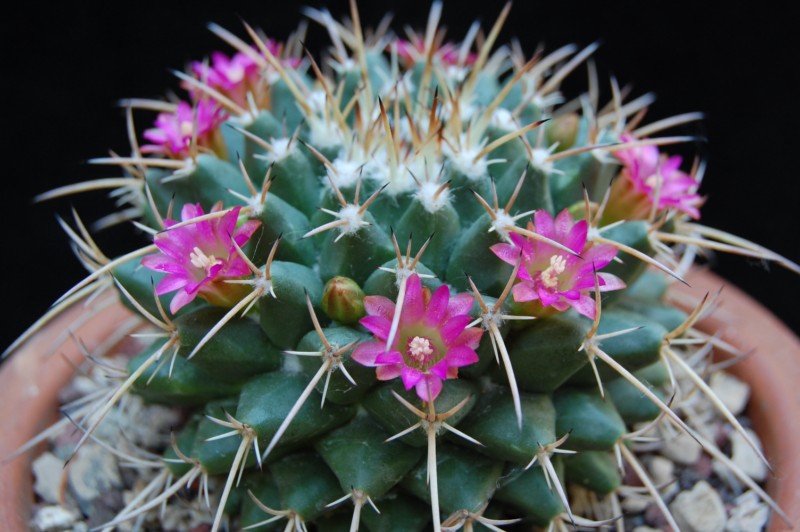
226 73
414 50
432 339
199 257
553 277
644 167
240 74
234 77
173 132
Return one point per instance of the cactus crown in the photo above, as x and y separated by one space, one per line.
385 281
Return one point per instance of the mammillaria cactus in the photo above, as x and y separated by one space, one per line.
414 276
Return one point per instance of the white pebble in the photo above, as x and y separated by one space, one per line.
749 514
746 458
50 518
733 392
635 504
48 469
662 472
682 449
699 509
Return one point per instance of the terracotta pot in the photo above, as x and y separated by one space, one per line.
29 385
773 372
30 381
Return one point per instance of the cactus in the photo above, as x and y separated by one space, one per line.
409 287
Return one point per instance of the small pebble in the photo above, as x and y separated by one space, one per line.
731 391
699 509
746 458
47 470
749 514
662 472
635 504
682 449
91 473
51 518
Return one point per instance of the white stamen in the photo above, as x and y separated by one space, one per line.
186 128
203 261
549 277
420 349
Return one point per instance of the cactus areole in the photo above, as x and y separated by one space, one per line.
412 285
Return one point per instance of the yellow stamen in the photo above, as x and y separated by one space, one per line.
201 260
420 349
549 277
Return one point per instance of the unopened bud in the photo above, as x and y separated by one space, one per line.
564 131
343 300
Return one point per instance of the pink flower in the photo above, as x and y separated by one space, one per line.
172 134
553 277
226 73
432 339
414 50
199 257
644 167
240 74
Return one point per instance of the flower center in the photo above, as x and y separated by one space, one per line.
557 266
651 181
203 261
420 350
235 74
186 128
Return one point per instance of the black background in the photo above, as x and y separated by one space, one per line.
66 65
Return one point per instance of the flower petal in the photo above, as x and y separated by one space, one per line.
544 224
610 282
180 300
377 325
365 353
387 373
461 356
460 304
170 283
439 369
506 252
379 306
469 338
389 357
437 307
414 304
410 376
432 383
585 305
524 291
453 328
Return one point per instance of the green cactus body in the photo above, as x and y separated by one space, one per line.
372 186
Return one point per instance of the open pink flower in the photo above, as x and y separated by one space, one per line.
239 74
226 73
432 340
173 132
234 77
448 53
644 167
200 256
554 277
